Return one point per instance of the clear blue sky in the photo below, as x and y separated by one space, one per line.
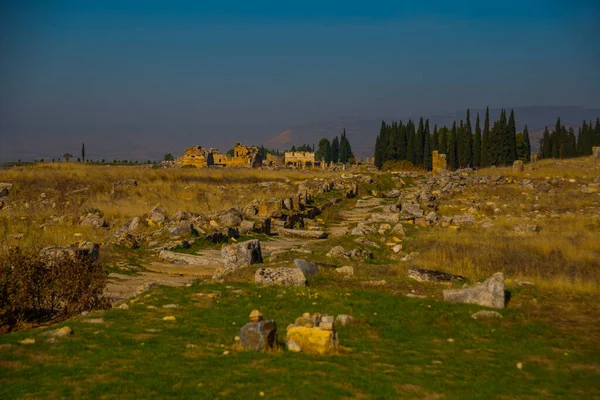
72 66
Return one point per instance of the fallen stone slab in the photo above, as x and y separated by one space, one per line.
488 294
280 277
302 234
183 258
486 314
428 275
239 256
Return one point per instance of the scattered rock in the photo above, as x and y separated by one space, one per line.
280 277
128 240
157 215
123 306
427 275
169 318
52 340
180 229
80 251
27 341
489 293
293 346
94 220
398 229
344 319
363 229
463 220
391 218
361 254
366 242
346 270
411 210
308 268
60 332
486 314
136 224
339 252
246 227
525 229
94 321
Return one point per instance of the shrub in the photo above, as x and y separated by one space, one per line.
34 290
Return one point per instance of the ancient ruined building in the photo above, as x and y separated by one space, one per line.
300 159
243 156
273 161
197 157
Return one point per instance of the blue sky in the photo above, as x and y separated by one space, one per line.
71 67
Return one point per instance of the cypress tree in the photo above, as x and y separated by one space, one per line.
546 144
527 144
410 142
461 145
427 148
343 157
434 139
555 139
452 148
477 144
596 132
401 141
443 144
485 140
335 150
469 140
419 143
512 139
378 146
83 152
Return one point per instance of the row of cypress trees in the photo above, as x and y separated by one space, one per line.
338 150
500 145
562 142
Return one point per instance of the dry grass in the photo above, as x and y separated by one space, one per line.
42 194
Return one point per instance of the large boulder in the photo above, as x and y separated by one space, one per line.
363 229
308 268
271 208
240 255
489 293
411 210
157 215
136 224
128 240
338 252
94 220
4 188
259 336
80 251
180 229
313 334
231 217
280 277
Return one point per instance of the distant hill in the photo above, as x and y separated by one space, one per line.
363 132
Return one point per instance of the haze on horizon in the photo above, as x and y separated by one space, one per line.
137 79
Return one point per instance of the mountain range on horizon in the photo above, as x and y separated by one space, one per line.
151 143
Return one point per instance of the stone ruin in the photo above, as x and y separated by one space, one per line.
273 160
438 162
300 159
596 151
243 156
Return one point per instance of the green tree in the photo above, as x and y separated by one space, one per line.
169 157
410 142
527 143
434 139
345 149
67 156
485 140
596 132
83 151
443 143
512 139
546 144
419 143
324 151
427 148
335 150
452 148
477 144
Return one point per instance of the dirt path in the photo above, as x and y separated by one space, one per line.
160 272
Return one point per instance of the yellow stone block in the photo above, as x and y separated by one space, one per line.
313 340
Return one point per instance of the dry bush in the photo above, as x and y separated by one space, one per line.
34 290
